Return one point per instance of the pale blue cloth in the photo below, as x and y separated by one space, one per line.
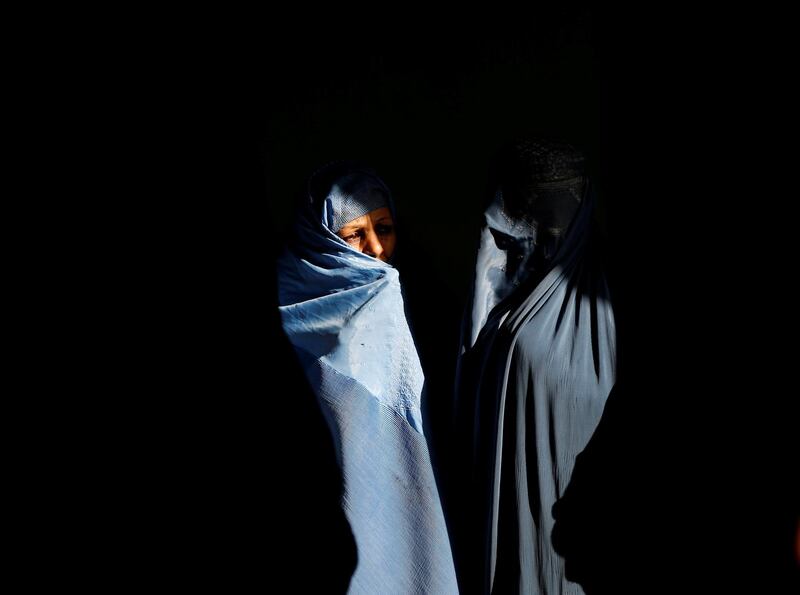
352 196
538 362
343 312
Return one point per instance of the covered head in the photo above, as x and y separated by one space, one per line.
356 205
540 183
538 187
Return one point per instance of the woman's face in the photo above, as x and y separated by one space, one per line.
372 234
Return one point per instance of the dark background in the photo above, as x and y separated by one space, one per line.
691 474
691 480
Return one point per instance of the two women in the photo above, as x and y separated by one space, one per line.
536 366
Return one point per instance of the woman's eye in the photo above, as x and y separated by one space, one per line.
384 229
353 237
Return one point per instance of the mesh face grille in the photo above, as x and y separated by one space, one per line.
350 190
354 196
543 183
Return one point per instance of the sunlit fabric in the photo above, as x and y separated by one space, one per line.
343 312
537 364
352 196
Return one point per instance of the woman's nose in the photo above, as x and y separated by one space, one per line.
372 245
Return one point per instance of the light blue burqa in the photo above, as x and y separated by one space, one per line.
537 364
343 313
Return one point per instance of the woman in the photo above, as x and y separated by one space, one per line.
537 364
342 309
